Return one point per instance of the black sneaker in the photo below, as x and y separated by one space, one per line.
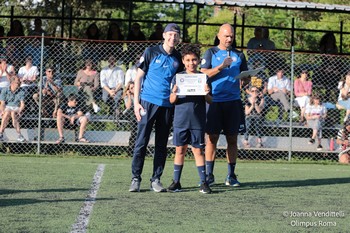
210 179
312 141
319 147
204 188
174 187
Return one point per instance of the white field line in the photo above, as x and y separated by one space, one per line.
83 218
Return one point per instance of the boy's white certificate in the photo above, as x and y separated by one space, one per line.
191 84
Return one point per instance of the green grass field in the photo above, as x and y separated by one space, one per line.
45 194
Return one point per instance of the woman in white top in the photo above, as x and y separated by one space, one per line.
5 72
28 75
343 98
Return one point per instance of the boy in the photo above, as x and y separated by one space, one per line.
71 111
12 105
189 123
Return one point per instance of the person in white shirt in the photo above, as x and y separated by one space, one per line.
344 94
28 75
278 87
112 82
131 72
5 72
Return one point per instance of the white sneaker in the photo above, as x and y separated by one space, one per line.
20 138
96 108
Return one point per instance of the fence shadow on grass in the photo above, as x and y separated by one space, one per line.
29 201
294 183
12 191
218 188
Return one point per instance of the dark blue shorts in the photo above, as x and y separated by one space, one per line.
193 137
227 117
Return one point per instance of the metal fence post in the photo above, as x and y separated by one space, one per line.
40 91
291 105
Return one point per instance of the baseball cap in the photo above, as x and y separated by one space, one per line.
172 27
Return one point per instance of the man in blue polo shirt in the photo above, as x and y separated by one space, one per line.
157 66
222 64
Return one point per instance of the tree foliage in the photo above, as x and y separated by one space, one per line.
147 14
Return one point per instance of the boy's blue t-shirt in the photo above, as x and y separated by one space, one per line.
159 68
189 111
223 85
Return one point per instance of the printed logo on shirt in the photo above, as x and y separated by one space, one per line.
203 61
141 59
175 64
158 61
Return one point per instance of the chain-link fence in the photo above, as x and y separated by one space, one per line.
280 132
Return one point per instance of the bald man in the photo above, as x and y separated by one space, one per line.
222 63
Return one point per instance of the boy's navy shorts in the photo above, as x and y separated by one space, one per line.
193 137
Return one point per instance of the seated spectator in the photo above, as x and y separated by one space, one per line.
302 91
135 48
261 40
91 49
28 75
253 108
315 112
278 88
343 139
131 72
15 44
51 90
344 95
6 71
135 33
328 44
12 106
256 42
39 31
114 33
87 81
268 44
112 82
158 33
70 115
128 96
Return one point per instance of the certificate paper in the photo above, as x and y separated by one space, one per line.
191 84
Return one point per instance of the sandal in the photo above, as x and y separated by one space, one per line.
60 140
83 140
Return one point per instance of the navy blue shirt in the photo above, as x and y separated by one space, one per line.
224 86
159 68
189 111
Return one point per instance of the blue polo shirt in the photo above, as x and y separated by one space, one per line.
12 99
159 68
189 111
223 85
